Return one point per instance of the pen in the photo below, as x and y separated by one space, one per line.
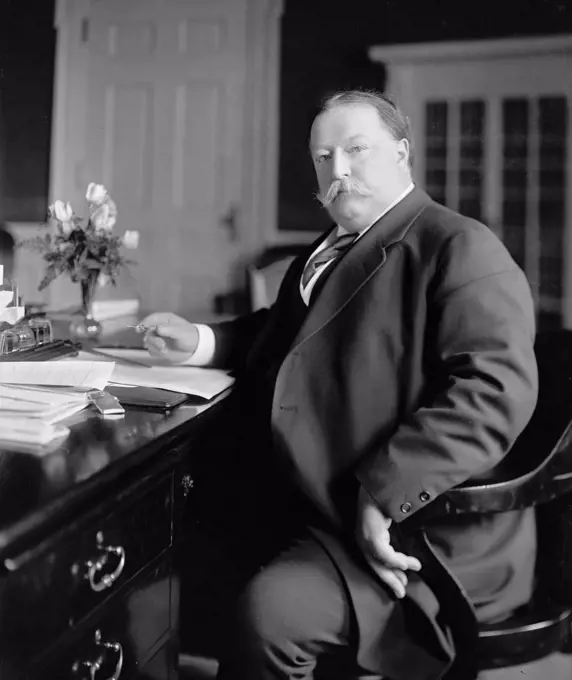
142 328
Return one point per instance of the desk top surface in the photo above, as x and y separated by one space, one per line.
37 489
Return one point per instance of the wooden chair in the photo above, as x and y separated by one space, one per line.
266 273
537 472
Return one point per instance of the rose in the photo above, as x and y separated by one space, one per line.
131 239
96 193
63 213
104 216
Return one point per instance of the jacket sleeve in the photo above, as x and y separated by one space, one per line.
480 344
234 339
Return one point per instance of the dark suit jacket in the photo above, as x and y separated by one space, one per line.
413 371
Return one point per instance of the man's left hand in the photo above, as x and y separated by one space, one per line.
372 534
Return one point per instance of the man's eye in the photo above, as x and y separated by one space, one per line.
322 157
357 148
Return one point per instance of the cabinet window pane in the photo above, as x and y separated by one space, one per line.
552 117
471 150
515 122
436 123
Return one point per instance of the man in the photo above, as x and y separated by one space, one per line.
396 363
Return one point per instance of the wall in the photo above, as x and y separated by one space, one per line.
27 48
324 47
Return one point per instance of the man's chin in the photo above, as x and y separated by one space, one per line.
345 205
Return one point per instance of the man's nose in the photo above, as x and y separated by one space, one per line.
340 165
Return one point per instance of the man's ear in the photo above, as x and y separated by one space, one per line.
403 153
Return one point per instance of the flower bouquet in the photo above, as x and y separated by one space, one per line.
86 250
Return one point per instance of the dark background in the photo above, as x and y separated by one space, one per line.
27 49
324 48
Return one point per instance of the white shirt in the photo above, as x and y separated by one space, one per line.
204 353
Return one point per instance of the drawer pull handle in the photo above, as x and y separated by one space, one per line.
95 666
187 483
95 566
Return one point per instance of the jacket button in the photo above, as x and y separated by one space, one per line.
405 508
424 496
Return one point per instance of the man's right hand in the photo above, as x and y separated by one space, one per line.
170 337
372 533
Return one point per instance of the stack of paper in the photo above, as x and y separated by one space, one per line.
36 395
30 414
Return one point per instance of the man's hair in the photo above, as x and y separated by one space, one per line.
390 115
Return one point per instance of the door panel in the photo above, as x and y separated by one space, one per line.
164 134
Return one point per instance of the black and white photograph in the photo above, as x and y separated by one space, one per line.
285 340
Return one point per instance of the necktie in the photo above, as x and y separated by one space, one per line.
331 252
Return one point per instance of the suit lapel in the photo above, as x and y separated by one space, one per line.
360 263
290 287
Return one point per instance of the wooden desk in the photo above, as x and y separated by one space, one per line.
88 585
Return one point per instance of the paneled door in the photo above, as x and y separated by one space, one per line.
492 124
164 133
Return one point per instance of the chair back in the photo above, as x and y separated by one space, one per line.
265 274
536 472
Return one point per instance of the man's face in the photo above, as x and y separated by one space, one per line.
360 167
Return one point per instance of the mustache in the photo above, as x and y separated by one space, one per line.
344 185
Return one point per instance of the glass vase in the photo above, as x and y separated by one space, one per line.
84 326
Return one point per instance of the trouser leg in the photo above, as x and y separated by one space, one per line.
294 621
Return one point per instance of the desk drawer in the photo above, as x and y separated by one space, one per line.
57 588
122 640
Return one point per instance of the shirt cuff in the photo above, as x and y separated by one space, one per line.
205 351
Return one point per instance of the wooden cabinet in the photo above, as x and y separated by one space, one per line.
492 125
96 598
89 584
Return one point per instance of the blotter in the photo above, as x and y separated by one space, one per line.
142 369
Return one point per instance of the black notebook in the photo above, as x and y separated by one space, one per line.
153 398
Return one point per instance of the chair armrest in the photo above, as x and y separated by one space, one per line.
523 479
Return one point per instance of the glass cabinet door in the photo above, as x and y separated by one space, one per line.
518 147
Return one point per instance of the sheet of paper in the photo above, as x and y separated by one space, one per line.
67 372
39 395
202 382
24 431
149 372
6 297
137 356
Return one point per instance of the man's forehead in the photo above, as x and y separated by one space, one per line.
344 122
